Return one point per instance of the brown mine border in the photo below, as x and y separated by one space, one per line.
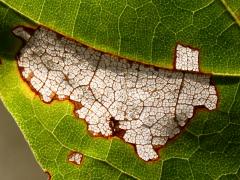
48 174
113 123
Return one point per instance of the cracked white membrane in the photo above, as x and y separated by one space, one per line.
149 104
187 59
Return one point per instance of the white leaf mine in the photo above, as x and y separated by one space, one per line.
75 157
186 58
149 104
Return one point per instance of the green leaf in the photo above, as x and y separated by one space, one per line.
145 31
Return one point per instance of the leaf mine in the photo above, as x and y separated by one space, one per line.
75 158
148 105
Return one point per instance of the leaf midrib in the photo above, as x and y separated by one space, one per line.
230 12
74 38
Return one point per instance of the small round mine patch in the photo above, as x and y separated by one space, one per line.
75 157
186 58
149 104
